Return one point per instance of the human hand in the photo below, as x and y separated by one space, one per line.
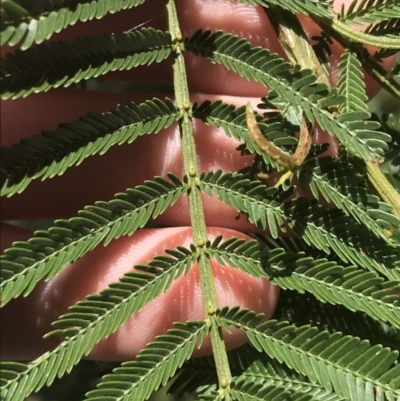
127 166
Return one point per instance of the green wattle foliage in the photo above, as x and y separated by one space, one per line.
335 335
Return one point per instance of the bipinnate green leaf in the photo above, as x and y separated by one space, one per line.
335 334
153 367
305 308
338 182
371 11
233 121
259 367
248 389
53 152
344 364
30 22
297 88
96 318
213 396
44 255
255 388
325 229
249 367
391 166
307 7
351 85
59 64
355 110
356 289
388 28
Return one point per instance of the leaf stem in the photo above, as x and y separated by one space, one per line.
295 44
383 187
195 202
370 64
349 32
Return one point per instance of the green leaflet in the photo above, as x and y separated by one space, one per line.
336 181
52 153
339 182
262 367
214 396
59 64
344 364
153 366
371 11
391 166
323 228
356 289
247 389
351 85
298 89
351 81
390 27
42 257
35 25
250 368
385 42
97 317
305 308
256 387
335 336
233 121
307 7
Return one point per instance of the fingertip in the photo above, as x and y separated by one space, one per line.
22 339
184 302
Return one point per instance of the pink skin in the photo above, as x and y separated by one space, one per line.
89 182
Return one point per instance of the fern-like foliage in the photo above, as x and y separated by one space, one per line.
336 181
335 254
389 28
44 67
233 120
72 143
34 22
306 309
391 166
339 182
323 228
329 282
153 367
297 88
351 85
371 11
352 368
307 7
26 263
252 371
270 370
97 317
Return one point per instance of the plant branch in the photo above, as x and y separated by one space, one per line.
369 62
296 46
196 203
353 35
383 187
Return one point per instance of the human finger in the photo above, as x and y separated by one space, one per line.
22 338
92 181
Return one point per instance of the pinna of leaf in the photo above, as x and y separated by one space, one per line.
311 357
